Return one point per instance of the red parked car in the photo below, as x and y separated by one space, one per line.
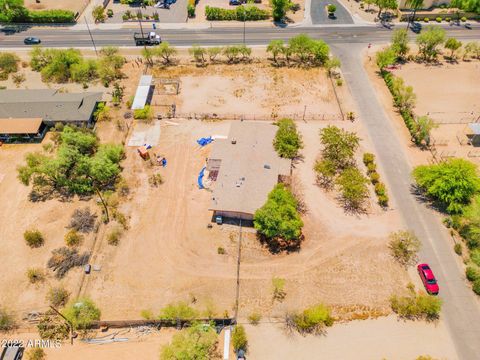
428 279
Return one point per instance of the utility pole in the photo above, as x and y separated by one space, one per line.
67 321
91 37
244 15
140 17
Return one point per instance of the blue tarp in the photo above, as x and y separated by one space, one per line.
200 178
204 141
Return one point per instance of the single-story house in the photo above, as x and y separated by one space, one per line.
50 106
245 168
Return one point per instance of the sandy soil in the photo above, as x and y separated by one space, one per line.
255 90
448 97
74 5
19 214
385 338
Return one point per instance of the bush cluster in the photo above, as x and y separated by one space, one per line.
416 305
33 238
310 320
241 13
178 311
23 15
143 114
380 189
8 64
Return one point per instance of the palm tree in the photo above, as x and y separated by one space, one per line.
415 5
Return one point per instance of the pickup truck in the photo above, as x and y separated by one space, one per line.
150 38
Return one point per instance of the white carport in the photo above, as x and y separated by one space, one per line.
143 90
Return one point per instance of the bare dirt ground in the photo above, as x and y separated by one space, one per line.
253 90
19 214
448 94
384 338
73 5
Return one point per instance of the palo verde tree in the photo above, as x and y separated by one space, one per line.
429 41
279 9
453 45
80 166
400 43
339 146
275 47
422 129
385 57
80 313
414 5
452 183
385 5
287 140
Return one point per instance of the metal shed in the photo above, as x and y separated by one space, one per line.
143 92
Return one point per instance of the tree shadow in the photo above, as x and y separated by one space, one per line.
279 245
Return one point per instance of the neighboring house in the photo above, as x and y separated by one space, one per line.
20 111
427 4
245 168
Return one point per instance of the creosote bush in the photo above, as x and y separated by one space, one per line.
311 320
7 321
416 305
73 238
179 310
58 296
36 353
114 236
404 246
35 275
254 318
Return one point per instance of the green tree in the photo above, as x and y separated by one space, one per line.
275 47
423 127
339 146
196 342
404 96
400 43
467 5
353 188
84 72
404 246
102 113
178 311
414 5
279 217
239 338
231 53
110 65
385 5
198 54
428 42
279 9
98 14
385 57
326 171
452 183
331 8
8 64
453 45
166 52
12 10
287 140
310 320
148 55
81 313
213 52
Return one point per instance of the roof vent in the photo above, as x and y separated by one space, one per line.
266 166
234 141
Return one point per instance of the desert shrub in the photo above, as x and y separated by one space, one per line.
155 180
371 167
81 313
463 19
380 189
368 158
475 256
374 177
353 188
33 238
416 305
73 238
438 19
220 250
239 338
287 140
326 171
472 273
143 114
339 82
476 287
254 318
191 10
113 237
35 275
147 314
7 321
278 286
8 64
63 259
311 320
52 327
36 354
121 218
404 246
383 200
426 19
82 220
179 310
58 296
457 248
196 342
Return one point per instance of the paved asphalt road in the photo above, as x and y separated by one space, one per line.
320 16
461 306
65 37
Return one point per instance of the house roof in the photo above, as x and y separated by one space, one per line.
48 104
249 168
20 126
